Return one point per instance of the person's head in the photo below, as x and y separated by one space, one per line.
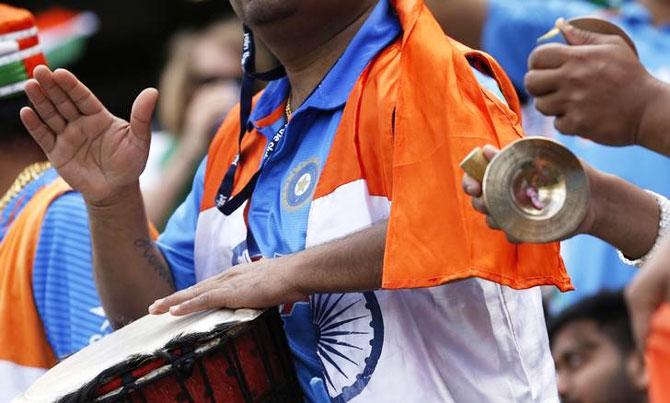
19 47
595 354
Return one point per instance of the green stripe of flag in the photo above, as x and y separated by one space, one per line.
12 73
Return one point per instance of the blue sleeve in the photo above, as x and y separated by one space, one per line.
177 242
512 28
63 284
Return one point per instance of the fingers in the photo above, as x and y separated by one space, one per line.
58 97
44 108
79 94
211 299
551 105
471 186
163 305
490 151
577 36
479 204
542 82
142 111
549 56
42 134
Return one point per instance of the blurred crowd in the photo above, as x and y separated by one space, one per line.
603 100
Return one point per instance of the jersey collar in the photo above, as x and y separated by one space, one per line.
379 30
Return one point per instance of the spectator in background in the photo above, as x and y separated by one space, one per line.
49 307
595 354
199 85
508 29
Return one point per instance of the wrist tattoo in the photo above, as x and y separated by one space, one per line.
146 247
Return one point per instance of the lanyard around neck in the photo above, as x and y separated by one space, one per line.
225 202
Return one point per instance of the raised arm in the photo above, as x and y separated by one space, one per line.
102 156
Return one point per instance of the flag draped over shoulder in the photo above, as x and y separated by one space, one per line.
442 113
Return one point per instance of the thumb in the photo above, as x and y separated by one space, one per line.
142 111
578 36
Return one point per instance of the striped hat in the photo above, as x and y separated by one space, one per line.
20 51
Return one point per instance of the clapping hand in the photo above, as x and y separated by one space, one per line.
97 153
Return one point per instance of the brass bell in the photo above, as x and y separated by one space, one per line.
535 189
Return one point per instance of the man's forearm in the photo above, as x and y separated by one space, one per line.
654 130
627 216
130 271
350 264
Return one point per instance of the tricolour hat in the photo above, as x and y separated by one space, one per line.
20 50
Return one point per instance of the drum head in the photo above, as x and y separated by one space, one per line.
536 190
144 336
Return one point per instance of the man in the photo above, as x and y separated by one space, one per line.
595 353
377 105
48 304
508 30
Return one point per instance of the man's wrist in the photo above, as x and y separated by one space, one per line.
120 198
654 125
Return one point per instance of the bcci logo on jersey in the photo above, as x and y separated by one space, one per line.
300 184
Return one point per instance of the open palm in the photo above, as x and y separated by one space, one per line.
96 152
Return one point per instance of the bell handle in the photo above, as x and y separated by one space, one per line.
475 164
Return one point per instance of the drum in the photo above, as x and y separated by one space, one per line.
213 356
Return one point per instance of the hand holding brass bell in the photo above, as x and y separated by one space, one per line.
591 24
535 189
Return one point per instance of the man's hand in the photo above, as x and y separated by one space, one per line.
350 264
473 188
648 291
97 153
260 284
595 86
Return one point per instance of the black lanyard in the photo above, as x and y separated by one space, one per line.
224 202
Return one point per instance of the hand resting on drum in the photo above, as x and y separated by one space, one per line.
353 263
618 213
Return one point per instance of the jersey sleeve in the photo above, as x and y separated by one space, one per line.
177 242
63 284
512 28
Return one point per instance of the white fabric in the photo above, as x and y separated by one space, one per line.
14 379
468 341
18 35
20 55
216 237
144 336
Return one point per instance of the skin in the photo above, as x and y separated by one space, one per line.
591 368
102 156
618 213
572 82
